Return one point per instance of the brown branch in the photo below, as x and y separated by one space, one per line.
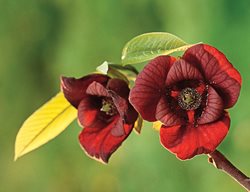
222 163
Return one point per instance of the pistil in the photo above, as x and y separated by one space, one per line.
108 107
189 99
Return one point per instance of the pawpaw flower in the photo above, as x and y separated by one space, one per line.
188 96
104 112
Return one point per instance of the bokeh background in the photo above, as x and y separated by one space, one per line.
41 40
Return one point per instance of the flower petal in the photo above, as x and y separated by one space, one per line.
75 89
169 113
119 86
120 103
182 70
89 113
118 130
188 141
127 113
149 86
217 70
213 109
131 115
97 89
99 143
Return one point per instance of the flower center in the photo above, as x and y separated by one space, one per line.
189 99
108 107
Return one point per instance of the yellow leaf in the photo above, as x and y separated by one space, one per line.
138 125
44 124
157 125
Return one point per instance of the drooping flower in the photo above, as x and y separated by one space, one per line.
104 112
189 97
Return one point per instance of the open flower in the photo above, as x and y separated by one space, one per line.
103 111
189 97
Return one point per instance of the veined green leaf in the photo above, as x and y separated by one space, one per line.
44 124
150 45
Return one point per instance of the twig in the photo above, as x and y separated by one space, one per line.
221 162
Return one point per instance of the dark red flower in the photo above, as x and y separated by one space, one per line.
103 111
189 96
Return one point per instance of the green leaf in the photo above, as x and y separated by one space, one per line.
103 68
150 45
44 124
107 69
128 68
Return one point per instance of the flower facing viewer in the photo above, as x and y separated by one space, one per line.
103 111
189 97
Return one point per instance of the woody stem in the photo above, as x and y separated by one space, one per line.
222 163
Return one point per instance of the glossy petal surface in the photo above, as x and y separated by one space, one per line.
104 112
213 109
75 89
89 113
186 141
182 70
119 86
97 89
120 103
217 70
167 114
101 143
149 86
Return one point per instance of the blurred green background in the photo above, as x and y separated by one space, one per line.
41 40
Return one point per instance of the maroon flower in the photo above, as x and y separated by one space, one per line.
103 111
189 96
